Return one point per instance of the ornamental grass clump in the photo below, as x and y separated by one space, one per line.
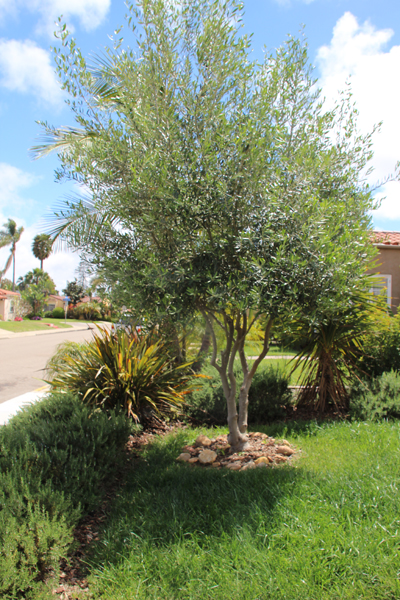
123 370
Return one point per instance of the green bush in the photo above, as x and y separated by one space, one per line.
58 313
48 314
381 348
89 311
54 456
268 396
379 398
123 370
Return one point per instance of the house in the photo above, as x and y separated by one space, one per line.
388 269
8 304
54 301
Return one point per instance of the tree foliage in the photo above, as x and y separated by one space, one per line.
37 277
10 236
217 184
74 291
42 247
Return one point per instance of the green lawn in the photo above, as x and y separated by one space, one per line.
324 528
20 326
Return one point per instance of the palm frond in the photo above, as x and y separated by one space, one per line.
76 221
61 140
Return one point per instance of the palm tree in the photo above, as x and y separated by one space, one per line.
10 236
42 247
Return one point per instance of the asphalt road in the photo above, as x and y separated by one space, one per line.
22 360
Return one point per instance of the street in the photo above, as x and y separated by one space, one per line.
22 360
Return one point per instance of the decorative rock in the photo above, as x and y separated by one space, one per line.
285 450
250 465
206 457
194 459
263 460
280 459
234 466
184 457
221 438
285 443
262 465
216 464
202 440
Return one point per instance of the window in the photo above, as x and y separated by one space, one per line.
11 307
381 283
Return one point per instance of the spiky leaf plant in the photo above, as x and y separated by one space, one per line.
121 369
331 342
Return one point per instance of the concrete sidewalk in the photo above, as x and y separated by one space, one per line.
11 407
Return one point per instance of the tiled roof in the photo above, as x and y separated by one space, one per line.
6 293
56 297
388 238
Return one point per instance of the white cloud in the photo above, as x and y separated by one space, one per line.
6 8
89 13
359 53
27 68
12 180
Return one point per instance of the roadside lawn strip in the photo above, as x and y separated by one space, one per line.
21 326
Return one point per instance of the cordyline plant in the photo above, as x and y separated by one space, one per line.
216 184
121 369
332 344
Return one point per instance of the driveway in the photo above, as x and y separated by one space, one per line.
23 358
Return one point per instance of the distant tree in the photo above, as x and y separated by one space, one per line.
39 278
42 247
10 236
36 297
6 284
83 273
74 291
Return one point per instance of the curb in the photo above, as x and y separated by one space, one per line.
10 408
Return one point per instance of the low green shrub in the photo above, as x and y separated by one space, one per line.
89 311
54 455
379 398
381 348
48 314
58 313
268 396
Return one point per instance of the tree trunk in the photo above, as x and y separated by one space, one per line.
235 438
204 348
41 264
14 271
244 404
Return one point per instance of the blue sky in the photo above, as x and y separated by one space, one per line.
359 39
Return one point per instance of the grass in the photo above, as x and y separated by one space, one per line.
324 528
20 326
254 349
283 364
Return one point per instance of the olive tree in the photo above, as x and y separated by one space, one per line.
214 183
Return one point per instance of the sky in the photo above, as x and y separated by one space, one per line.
349 40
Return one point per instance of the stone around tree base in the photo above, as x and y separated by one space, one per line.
261 452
